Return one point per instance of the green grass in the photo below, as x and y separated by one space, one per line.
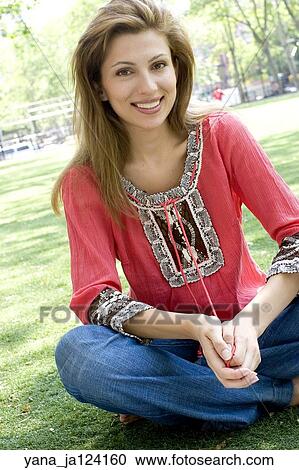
36 412
264 102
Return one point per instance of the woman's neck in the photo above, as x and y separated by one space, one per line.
150 146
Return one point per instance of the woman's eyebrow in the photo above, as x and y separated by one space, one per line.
132 63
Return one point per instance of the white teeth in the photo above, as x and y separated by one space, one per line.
148 105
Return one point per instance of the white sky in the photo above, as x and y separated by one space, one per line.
48 10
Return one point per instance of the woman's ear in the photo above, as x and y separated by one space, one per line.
99 90
103 96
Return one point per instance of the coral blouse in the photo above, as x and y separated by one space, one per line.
187 251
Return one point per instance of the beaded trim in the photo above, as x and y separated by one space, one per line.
208 264
204 240
287 258
112 308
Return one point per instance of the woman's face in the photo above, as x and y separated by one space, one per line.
146 79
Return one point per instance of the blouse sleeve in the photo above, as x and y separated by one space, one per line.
256 183
97 293
287 258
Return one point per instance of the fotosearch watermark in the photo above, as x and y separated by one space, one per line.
161 316
57 314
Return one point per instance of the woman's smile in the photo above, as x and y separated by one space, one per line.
148 108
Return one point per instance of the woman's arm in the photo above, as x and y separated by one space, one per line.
255 182
155 323
199 327
97 292
243 331
270 301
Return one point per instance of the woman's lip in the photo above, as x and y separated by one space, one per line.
134 104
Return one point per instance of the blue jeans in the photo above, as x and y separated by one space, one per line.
166 383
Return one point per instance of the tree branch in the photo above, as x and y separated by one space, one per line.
256 14
252 29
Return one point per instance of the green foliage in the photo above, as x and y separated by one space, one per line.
10 8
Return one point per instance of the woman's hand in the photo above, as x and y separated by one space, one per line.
217 352
242 334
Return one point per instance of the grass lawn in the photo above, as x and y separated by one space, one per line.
272 99
36 412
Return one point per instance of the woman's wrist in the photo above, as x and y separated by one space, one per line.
197 324
270 301
245 318
154 323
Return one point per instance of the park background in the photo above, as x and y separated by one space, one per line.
249 49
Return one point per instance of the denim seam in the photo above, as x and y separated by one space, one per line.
283 393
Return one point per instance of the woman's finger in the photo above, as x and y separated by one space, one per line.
240 350
219 368
223 349
241 383
228 332
253 356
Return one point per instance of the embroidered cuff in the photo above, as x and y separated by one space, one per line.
287 258
112 308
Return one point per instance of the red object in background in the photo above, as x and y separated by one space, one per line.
217 94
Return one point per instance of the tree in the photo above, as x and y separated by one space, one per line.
260 23
271 30
239 75
221 14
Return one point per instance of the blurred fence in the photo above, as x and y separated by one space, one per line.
42 123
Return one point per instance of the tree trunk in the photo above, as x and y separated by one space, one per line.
232 48
244 83
238 77
261 76
260 35
272 66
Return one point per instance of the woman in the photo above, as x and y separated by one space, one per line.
203 335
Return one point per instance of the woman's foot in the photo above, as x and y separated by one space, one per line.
127 419
295 399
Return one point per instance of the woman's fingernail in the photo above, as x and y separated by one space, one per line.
254 380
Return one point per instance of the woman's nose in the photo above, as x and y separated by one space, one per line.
147 83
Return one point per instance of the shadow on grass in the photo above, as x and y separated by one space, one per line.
38 249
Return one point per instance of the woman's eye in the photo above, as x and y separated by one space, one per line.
120 74
160 63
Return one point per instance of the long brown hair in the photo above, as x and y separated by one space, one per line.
102 140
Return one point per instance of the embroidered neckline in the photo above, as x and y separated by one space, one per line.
194 151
